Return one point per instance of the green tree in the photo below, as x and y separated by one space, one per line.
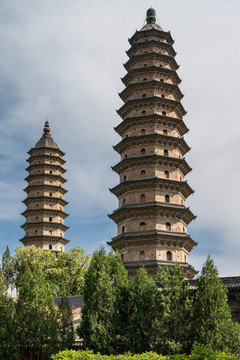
8 267
35 317
176 302
104 281
65 325
63 272
142 314
212 316
7 328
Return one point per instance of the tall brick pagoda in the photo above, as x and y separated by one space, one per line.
152 218
44 226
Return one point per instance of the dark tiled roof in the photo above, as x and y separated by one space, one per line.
74 301
232 283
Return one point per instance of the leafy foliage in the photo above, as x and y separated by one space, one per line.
199 352
212 322
7 328
174 334
35 317
64 273
142 314
8 267
104 281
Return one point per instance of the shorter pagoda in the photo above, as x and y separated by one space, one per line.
44 226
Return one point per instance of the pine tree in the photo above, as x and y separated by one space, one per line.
142 314
176 302
212 316
7 328
35 317
8 267
104 281
65 325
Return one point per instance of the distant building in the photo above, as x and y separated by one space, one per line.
152 217
44 226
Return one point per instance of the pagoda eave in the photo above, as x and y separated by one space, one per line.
154 42
34 150
139 33
45 211
134 59
129 162
46 166
46 156
44 224
154 183
155 102
155 138
129 122
153 84
31 238
52 199
44 176
152 209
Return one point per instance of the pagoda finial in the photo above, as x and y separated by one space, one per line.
151 16
46 129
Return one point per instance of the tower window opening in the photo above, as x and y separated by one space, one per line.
36 231
50 247
123 229
122 257
168 226
143 112
36 217
50 232
164 132
144 79
143 173
50 172
163 96
165 152
145 64
161 80
142 255
142 226
124 201
124 178
36 204
50 218
143 151
167 198
50 194
144 95
166 173
169 256
125 156
164 113
142 198
143 132
160 65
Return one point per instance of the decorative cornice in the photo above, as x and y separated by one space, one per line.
47 186
130 162
157 119
154 238
45 176
45 224
152 209
44 211
45 166
153 139
155 103
153 55
157 32
151 43
36 238
45 199
151 70
152 85
36 150
153 183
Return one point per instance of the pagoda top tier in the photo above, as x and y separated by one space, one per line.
46 139
151 25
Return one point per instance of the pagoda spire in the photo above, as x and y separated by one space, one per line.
44 214
152 216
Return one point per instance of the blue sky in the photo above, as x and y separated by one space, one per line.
62 60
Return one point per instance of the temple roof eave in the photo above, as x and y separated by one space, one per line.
44 211
52 198
163 44
131 104
35 150
43 224
124 144
176 162
27 239
127 185
51 176
139 33
179 123
154 83
154 54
